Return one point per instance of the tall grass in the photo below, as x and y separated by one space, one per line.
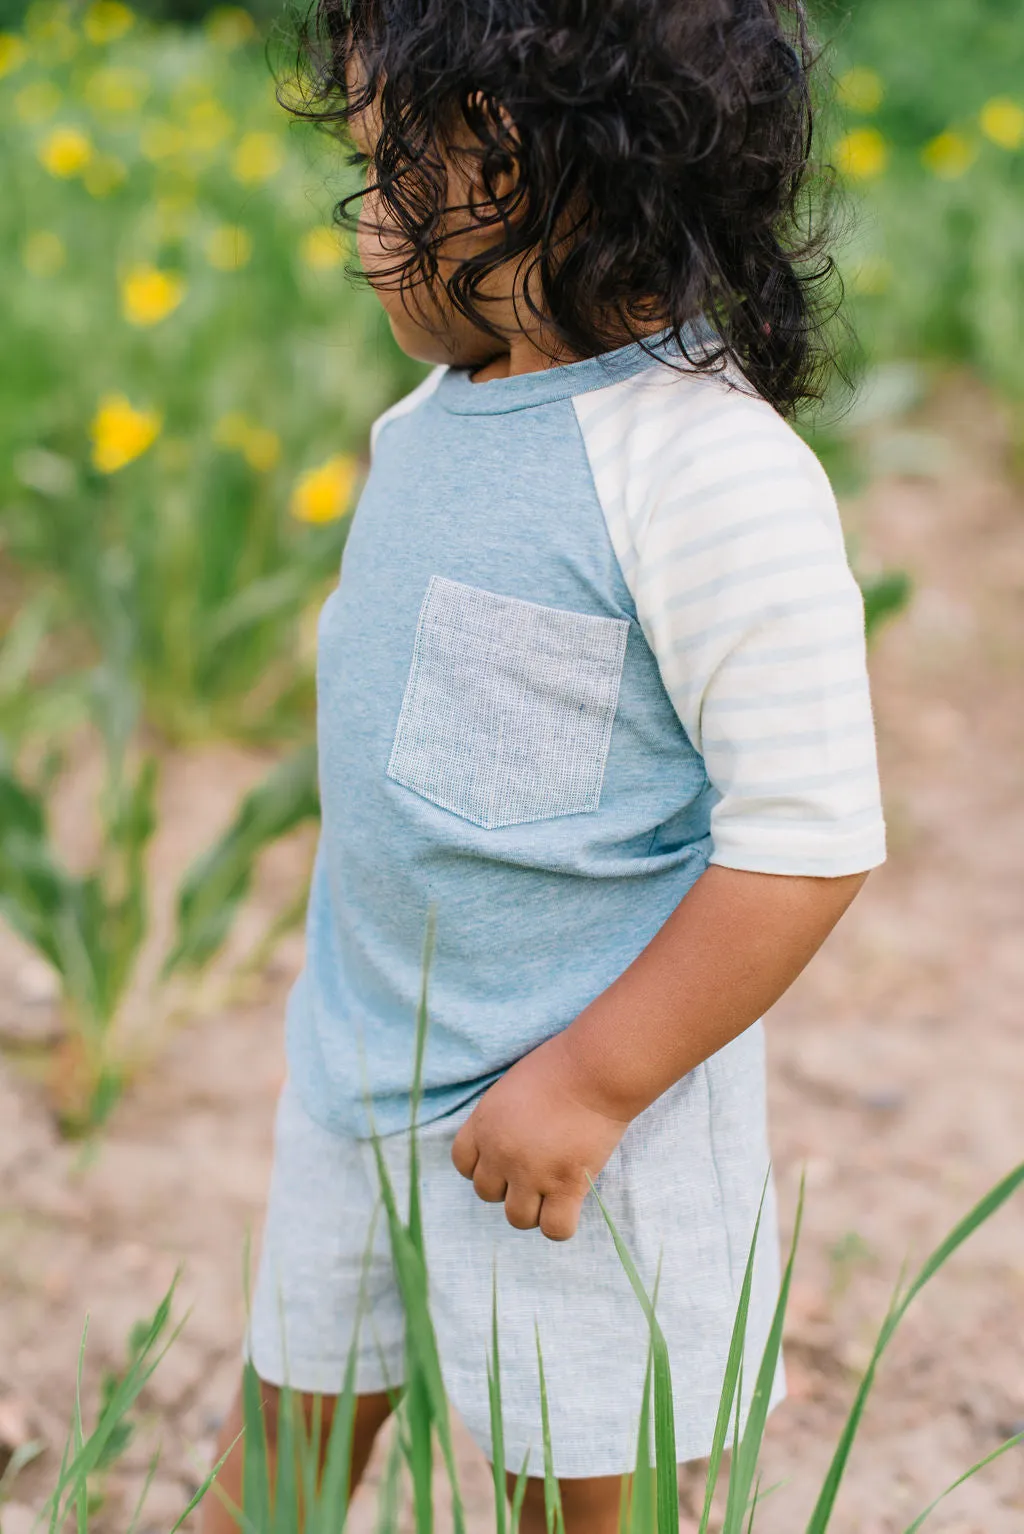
308 1488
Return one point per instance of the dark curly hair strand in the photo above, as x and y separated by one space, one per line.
662 151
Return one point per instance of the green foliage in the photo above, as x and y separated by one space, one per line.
90 926
929 137
217 884
180 344
272 1500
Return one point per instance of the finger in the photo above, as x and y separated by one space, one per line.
490 1185
522 1208
560 1216
465 1154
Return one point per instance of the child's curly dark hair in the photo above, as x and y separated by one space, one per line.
661 159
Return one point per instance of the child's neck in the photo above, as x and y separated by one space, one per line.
525 353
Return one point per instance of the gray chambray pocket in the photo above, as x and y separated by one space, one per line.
509 706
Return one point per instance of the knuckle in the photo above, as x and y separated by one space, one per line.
559 1224
520 1218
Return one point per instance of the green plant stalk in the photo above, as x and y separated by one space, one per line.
664 1409
981 1212
744 1469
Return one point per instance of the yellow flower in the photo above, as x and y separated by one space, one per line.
950 155
259 446
229 247
160 139
1002 120
229 26
37 101
116 92
872 275
862 155
207 125
13 53
43 253
324 494
149 295
258 157
120 433
107 20
322 249
860 89
104 175
65 152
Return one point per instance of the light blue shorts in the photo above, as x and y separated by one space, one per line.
678 1197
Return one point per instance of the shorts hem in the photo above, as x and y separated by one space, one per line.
326 1376
587 1459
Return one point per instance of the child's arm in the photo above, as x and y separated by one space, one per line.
731 948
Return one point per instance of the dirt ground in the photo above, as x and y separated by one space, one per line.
897 1081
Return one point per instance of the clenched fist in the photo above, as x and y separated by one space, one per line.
534 1137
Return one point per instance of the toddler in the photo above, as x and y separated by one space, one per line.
591 688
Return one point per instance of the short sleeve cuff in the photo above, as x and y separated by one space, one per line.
824 854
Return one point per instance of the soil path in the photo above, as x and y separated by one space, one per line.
897 1079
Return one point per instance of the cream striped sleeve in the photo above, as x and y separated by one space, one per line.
728 535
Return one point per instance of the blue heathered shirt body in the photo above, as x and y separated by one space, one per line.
487 485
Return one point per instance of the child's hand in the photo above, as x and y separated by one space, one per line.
534 1137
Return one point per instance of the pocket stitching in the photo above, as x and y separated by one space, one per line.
603 714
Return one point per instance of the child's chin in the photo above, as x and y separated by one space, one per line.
439 346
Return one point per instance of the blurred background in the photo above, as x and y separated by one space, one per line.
187 379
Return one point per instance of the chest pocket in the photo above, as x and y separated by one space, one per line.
508 709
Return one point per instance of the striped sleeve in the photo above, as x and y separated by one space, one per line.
729 539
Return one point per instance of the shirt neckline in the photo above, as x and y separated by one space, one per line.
459 394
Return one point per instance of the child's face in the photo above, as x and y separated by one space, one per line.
423 321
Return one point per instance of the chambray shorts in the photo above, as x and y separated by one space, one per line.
677 1200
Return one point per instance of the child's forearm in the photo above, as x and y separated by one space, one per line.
730 949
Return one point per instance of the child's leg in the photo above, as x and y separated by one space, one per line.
372 1411
590 1506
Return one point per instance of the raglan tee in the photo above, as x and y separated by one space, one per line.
595 629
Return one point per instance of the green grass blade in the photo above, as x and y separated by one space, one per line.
419 1448
416 1091
1011 1443
666 1467
388 1506
519 1493
624 1504
202 1490
286 1480
643 1502
257 1493
310 1445
977 1216
411 1272
330 1511
215 886
144 1493
552 1495
755 1499
729 1523
81 1497
54 1503
744 1467
497 1417
733 1365
88 1453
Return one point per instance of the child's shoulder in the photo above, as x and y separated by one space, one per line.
700 442
406 405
